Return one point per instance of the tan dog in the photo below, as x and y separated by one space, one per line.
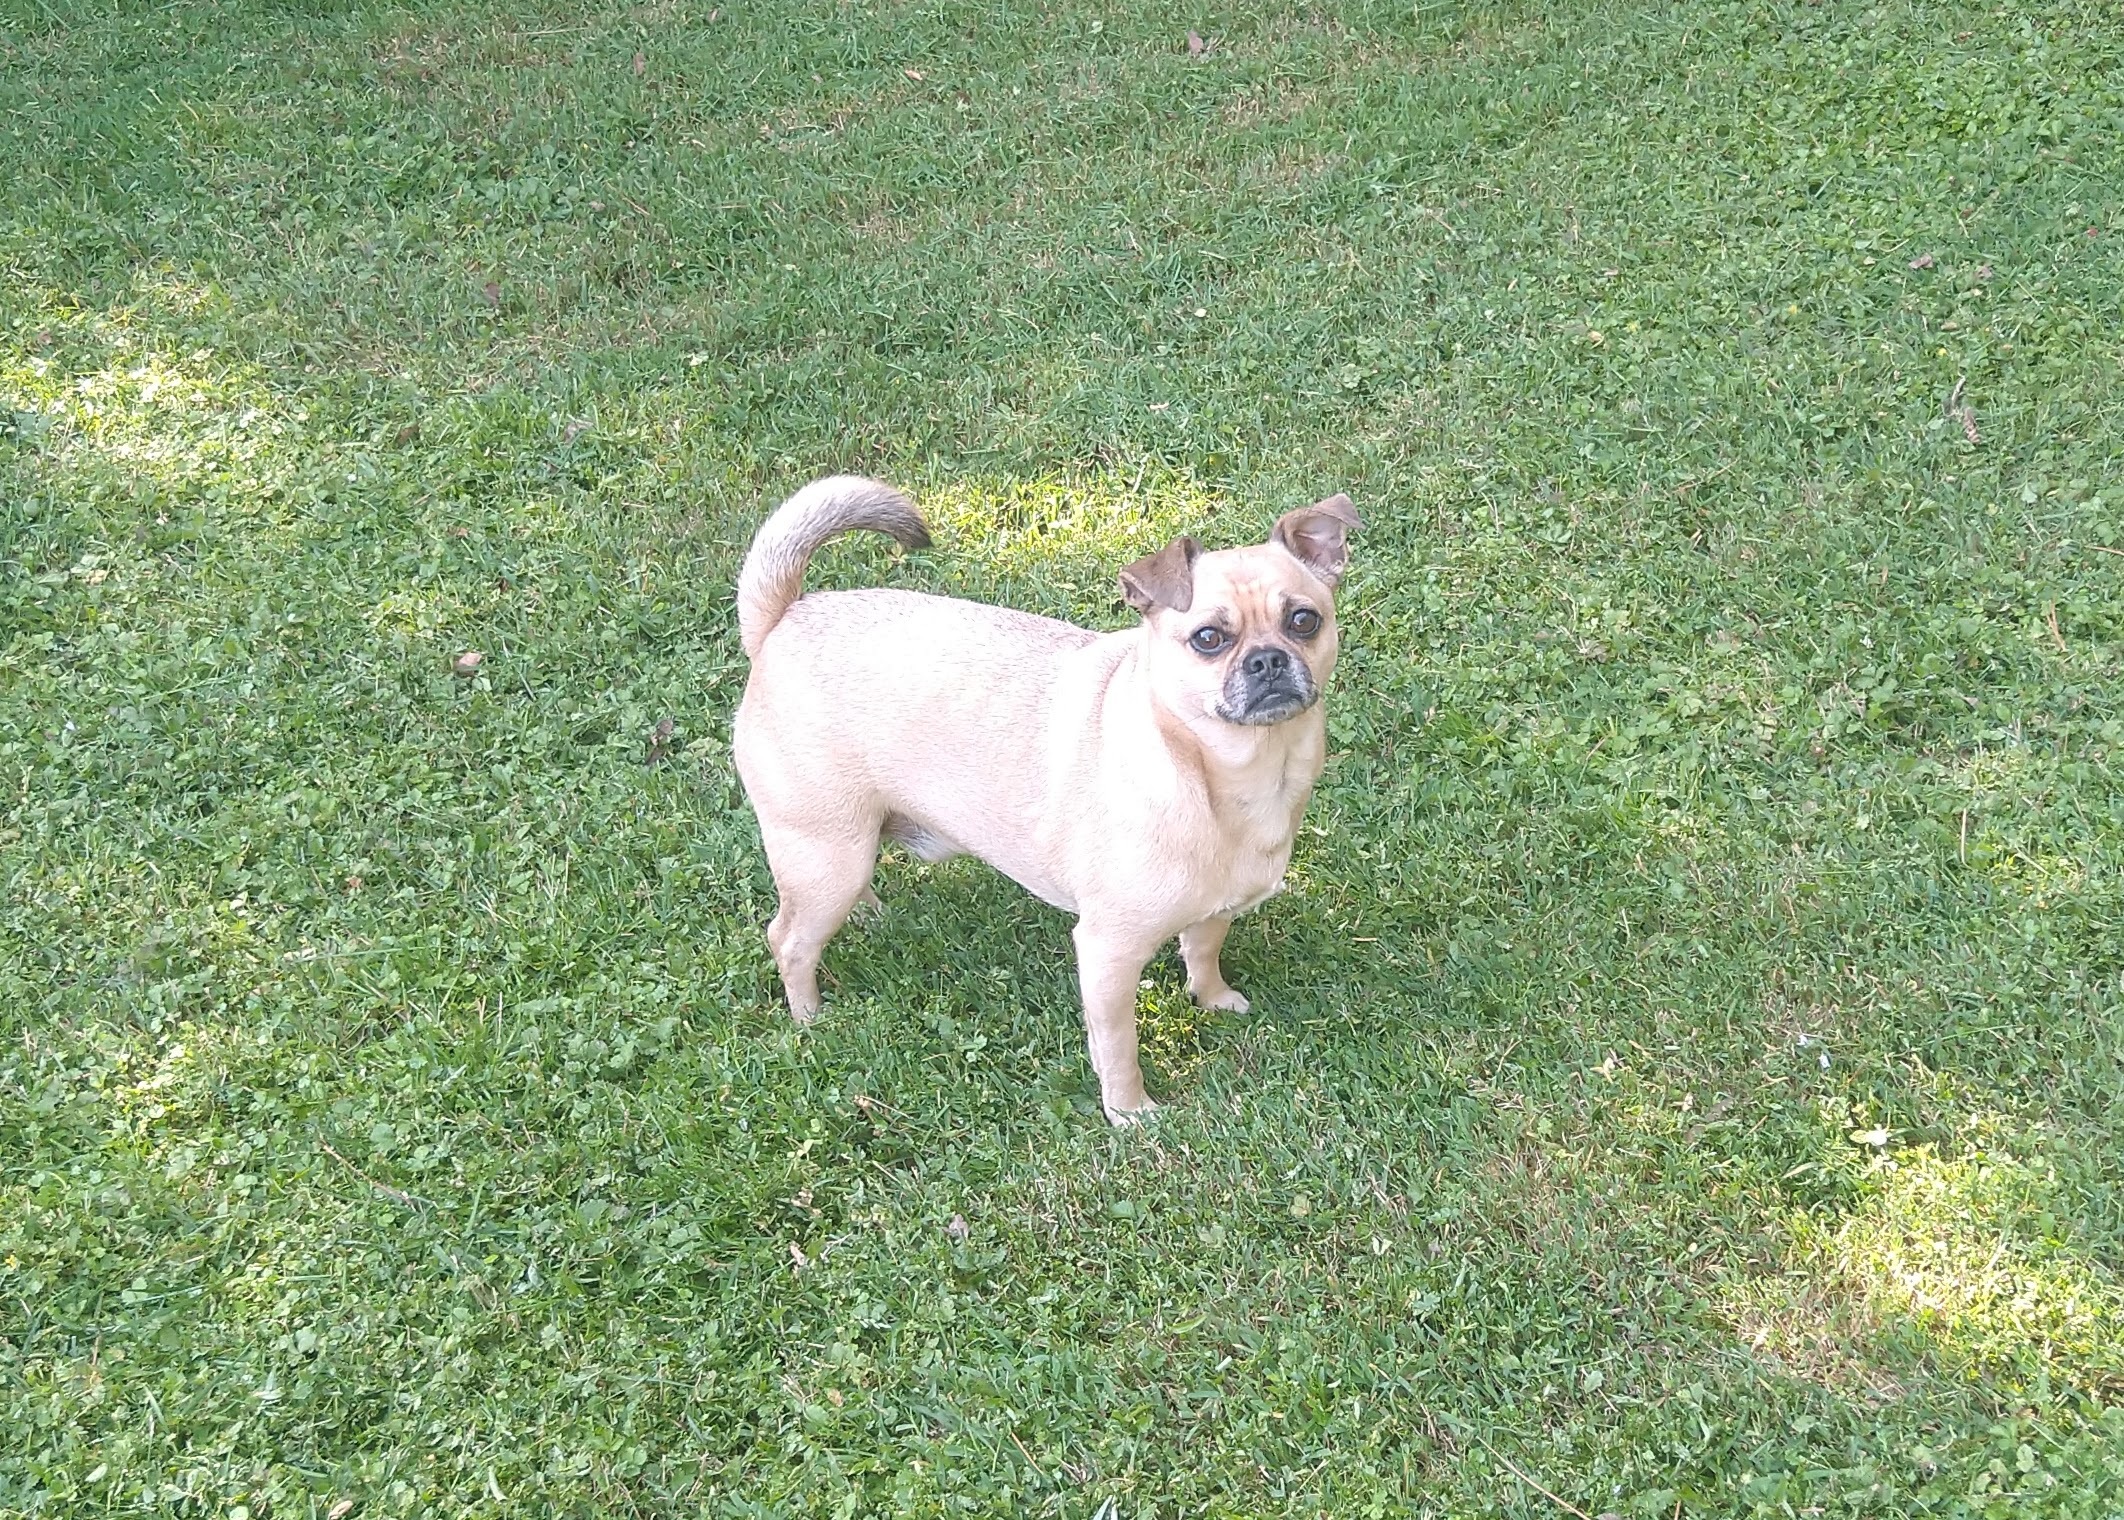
1149 781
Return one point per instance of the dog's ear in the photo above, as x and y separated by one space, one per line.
1319 535
1164 579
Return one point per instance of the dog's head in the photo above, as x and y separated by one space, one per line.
1245 636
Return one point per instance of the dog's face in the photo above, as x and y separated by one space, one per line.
1245 636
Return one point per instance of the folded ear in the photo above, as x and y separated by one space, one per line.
1319 535
1164 579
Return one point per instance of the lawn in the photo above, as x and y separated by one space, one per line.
1686 1073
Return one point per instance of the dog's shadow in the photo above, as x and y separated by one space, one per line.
960 948
943 931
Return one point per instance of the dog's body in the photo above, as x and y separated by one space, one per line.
1139 780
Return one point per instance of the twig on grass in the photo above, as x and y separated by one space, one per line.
1533 1483
382 1187
1962 412
1687 486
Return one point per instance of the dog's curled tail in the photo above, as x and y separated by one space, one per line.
773 576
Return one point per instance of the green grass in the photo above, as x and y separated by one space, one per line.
1687 1074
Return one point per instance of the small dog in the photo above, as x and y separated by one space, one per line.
1148 781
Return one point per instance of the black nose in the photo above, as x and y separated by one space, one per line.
1263 664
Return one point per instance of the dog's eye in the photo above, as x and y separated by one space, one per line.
1303 622
1208 640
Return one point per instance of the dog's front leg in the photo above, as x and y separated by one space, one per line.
1200 945
1109 967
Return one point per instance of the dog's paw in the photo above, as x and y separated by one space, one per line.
1129 1118
1230 1000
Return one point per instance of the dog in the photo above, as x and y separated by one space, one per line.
1149 781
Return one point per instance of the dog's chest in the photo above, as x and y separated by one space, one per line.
1253 881
1257 828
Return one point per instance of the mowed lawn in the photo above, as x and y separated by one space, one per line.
1686 1074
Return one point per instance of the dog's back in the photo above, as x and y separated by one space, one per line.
916 710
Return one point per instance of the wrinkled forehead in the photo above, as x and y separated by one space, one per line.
1256 582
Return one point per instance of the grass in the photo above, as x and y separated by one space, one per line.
1687 1070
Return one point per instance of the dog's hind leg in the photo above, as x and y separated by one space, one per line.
818 876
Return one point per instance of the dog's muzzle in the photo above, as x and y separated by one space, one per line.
1266 685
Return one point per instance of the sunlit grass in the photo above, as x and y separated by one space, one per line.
1965 1256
